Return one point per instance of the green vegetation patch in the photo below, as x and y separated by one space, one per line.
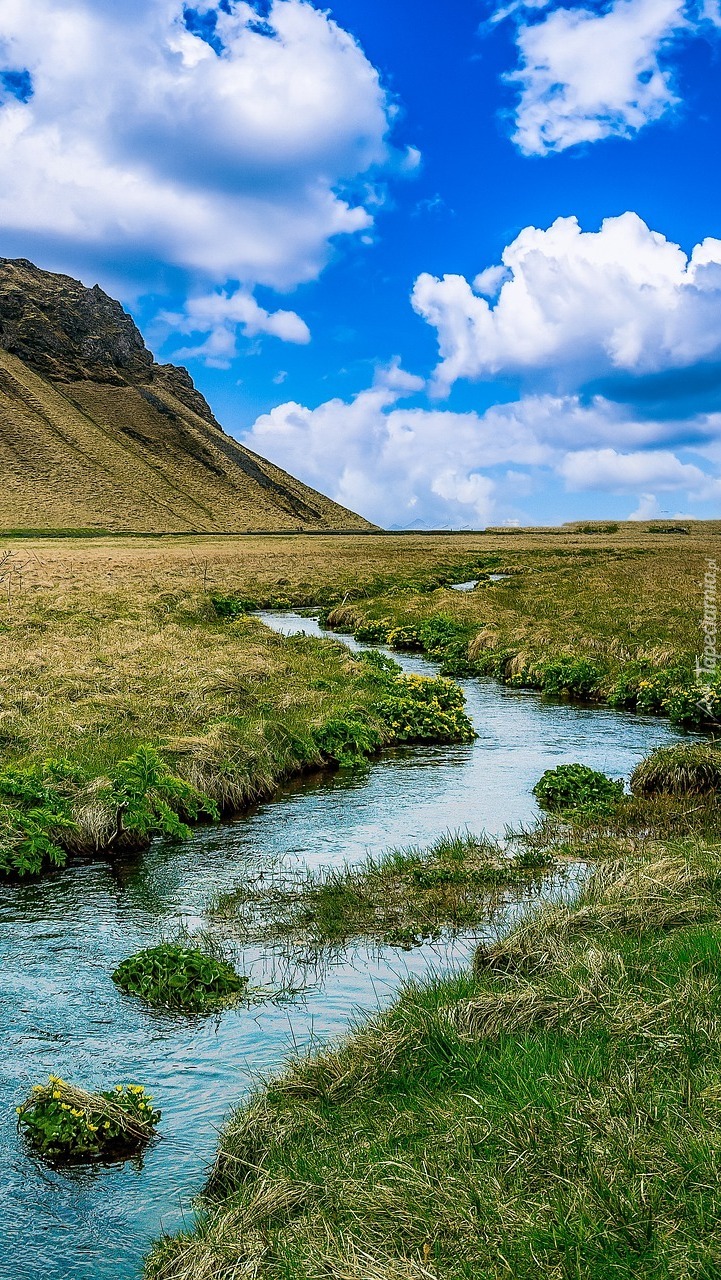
402 898
686 768
185 978
63 1123
231 607
49 810
576 786
35 813
420 709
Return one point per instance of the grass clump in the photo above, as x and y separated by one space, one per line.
50 810
189 974
65 1124
349 740
231 607
683 769
576 786
402 898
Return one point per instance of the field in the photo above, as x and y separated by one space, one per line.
556 1110
113 646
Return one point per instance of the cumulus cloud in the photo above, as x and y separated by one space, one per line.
397 466
400 466
610 470
585 75
567 307
221 315
229 145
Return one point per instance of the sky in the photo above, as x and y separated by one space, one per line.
452 265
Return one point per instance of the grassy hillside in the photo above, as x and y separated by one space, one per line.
95 434
86 454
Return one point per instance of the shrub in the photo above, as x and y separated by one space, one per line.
575 786
421 709
624 692
408 638
667 528
348 739
63 1123
447 642
575 676
231 607
35 809
378 661
186 978
372 633
686 768
672 691
151 800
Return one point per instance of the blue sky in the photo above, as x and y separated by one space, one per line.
277 192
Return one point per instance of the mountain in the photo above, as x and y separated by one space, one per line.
95 435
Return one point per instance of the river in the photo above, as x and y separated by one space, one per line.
62 937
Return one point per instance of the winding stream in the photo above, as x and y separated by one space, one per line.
60 940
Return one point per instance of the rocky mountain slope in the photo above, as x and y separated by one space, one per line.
95 435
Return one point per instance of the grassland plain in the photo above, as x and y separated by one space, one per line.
615 617
137 693
114 646
553 1112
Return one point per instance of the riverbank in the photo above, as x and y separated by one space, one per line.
620 622
62 938
137 695
555 1111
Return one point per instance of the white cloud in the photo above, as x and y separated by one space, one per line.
394 465
575 305
220 315
648 508
585 75
142 139
609 470
400 466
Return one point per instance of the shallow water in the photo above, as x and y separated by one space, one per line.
60 940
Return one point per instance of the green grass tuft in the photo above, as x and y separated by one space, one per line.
684 769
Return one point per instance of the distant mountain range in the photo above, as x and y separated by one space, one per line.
95 435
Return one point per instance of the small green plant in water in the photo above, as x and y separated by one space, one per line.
181 977
63 1123
420 709
576 786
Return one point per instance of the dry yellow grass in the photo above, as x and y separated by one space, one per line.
112 641
89 455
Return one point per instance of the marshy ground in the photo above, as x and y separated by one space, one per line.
554 1111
